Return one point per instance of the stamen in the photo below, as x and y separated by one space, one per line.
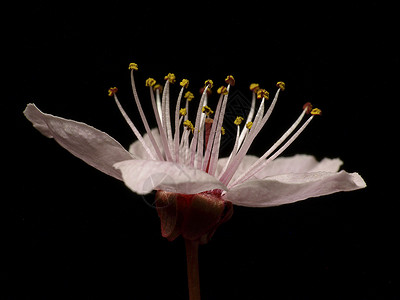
246 129
254 87
230 80
188 96
158 116
159 88
283 148
193 144
316 112
188 125
281 85
184 83
217 137
237 122
183 112
255 166
112 92
207 110
166 117
213 131
133 67
230 171
261 93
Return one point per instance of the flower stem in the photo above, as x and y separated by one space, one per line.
192 258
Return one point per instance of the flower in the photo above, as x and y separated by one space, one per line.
188 162
196 189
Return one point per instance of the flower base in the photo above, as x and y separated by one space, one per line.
195 217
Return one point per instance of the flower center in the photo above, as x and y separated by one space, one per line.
199 145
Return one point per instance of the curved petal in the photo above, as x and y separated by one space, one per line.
299 163
93 146
143 176
289 188
136 148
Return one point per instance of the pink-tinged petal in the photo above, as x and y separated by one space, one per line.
299 163
289 188
143 176
93 146
136 148
247 161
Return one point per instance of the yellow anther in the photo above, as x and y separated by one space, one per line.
249 125
254 87
170 77
133 66
188 125
209 83
222 90
158 87
222 130
182 112
261 93
150 82
230 80
316 112
207 110
238 120
184 83
188 96
281 85
112 91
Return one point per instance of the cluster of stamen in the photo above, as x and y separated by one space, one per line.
198 146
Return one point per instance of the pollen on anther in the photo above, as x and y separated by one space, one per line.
249 125
230 80
222 90
209 83
133 66
254 87
158 87
170 77
112 91
281 85
150 82
222 130
207 110
316 112
238 120
261 93
188 125
184 83
182 112
188 96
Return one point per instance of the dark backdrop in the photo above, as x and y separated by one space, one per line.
75 233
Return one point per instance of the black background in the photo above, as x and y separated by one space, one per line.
74 233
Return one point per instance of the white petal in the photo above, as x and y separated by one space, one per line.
299 163
136 148
143 176
91 145
247 161
289 188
